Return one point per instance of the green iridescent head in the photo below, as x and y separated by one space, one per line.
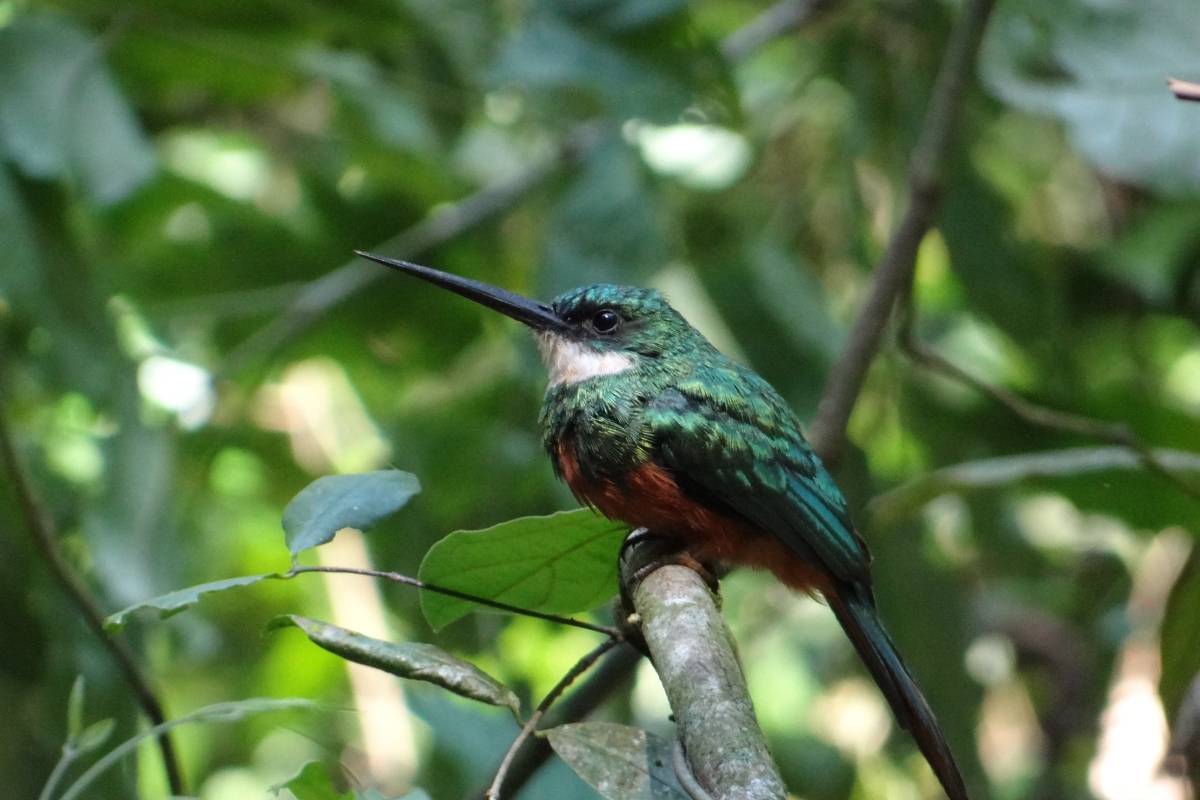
611 318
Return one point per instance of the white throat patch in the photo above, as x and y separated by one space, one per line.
571 362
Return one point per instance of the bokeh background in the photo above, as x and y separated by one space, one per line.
186 343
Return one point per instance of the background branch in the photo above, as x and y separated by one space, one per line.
45 540
319 297
1117 433
1002 471
828 432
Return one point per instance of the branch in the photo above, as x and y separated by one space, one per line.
991 473
581 666
45 539
828 432
1116 433
693 653
1184 90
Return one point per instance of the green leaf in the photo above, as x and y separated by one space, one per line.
62 115
94 735
1100 68
233 711
182 599
1180 636
334 502
414 660
559 564
618 761
312 782
75 709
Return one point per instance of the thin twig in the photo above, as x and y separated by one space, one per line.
777 20
45 539
1117 433
397 577
581 666
1184 90
615 671
990 473
845 381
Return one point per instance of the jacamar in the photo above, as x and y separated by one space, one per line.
651 425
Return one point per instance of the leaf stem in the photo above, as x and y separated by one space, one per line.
69 754
581 666
45 539
612 633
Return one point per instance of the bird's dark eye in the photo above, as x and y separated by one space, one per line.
606 321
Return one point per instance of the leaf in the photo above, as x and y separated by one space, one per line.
414 660
1180 636
563 563
62 115
312 782
172 603
94 735
75 709
618 761
334 502
1101 69
233 711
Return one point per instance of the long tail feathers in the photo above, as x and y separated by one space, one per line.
860 620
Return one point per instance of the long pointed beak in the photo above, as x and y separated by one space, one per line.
538 316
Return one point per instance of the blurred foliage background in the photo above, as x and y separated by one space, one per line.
186 343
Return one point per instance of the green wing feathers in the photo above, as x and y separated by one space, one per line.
733 438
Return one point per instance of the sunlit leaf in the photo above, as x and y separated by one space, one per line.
181 599
334 502
560 564
414 660
618 761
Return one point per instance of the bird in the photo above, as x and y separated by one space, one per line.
650 424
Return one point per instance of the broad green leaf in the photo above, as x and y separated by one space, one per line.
618 761
61 114
233 711
334 502
1180 636
1101 68
414 660
563 563
182 599
312 782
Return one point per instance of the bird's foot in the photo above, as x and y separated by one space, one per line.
643 552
